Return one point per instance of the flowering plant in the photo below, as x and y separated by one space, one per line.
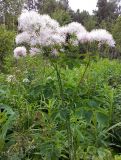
38 31
42 32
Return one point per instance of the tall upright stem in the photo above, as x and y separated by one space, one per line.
68 123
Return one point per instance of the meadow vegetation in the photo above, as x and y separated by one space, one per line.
60 85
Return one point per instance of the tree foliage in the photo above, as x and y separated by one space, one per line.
63 17
117 30
9 11
89 21
107 10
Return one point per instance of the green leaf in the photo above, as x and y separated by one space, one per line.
102 118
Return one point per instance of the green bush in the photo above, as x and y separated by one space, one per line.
6 44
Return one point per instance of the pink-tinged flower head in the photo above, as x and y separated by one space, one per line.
102 36
54 53
84 37
34 51
76 27
29 21
20 52
47 21
73 28
23 38
38 29
57 39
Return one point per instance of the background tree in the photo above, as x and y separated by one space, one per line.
107 10
63 17
65 4
117 33
117 30
47 6
32 4
9 11
107 13
101 13
89 21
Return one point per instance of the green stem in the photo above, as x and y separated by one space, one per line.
111 107
68 123
69 135
59 82
86 68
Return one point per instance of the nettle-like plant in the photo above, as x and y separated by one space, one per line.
40 34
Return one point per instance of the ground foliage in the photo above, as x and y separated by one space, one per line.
58 108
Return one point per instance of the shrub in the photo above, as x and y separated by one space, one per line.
6 44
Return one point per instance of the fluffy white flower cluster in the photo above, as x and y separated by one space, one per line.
19 52
42 30
84 37
73 28
29 20
34 51
102 36
38 29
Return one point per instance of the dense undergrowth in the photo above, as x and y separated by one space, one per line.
60 110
